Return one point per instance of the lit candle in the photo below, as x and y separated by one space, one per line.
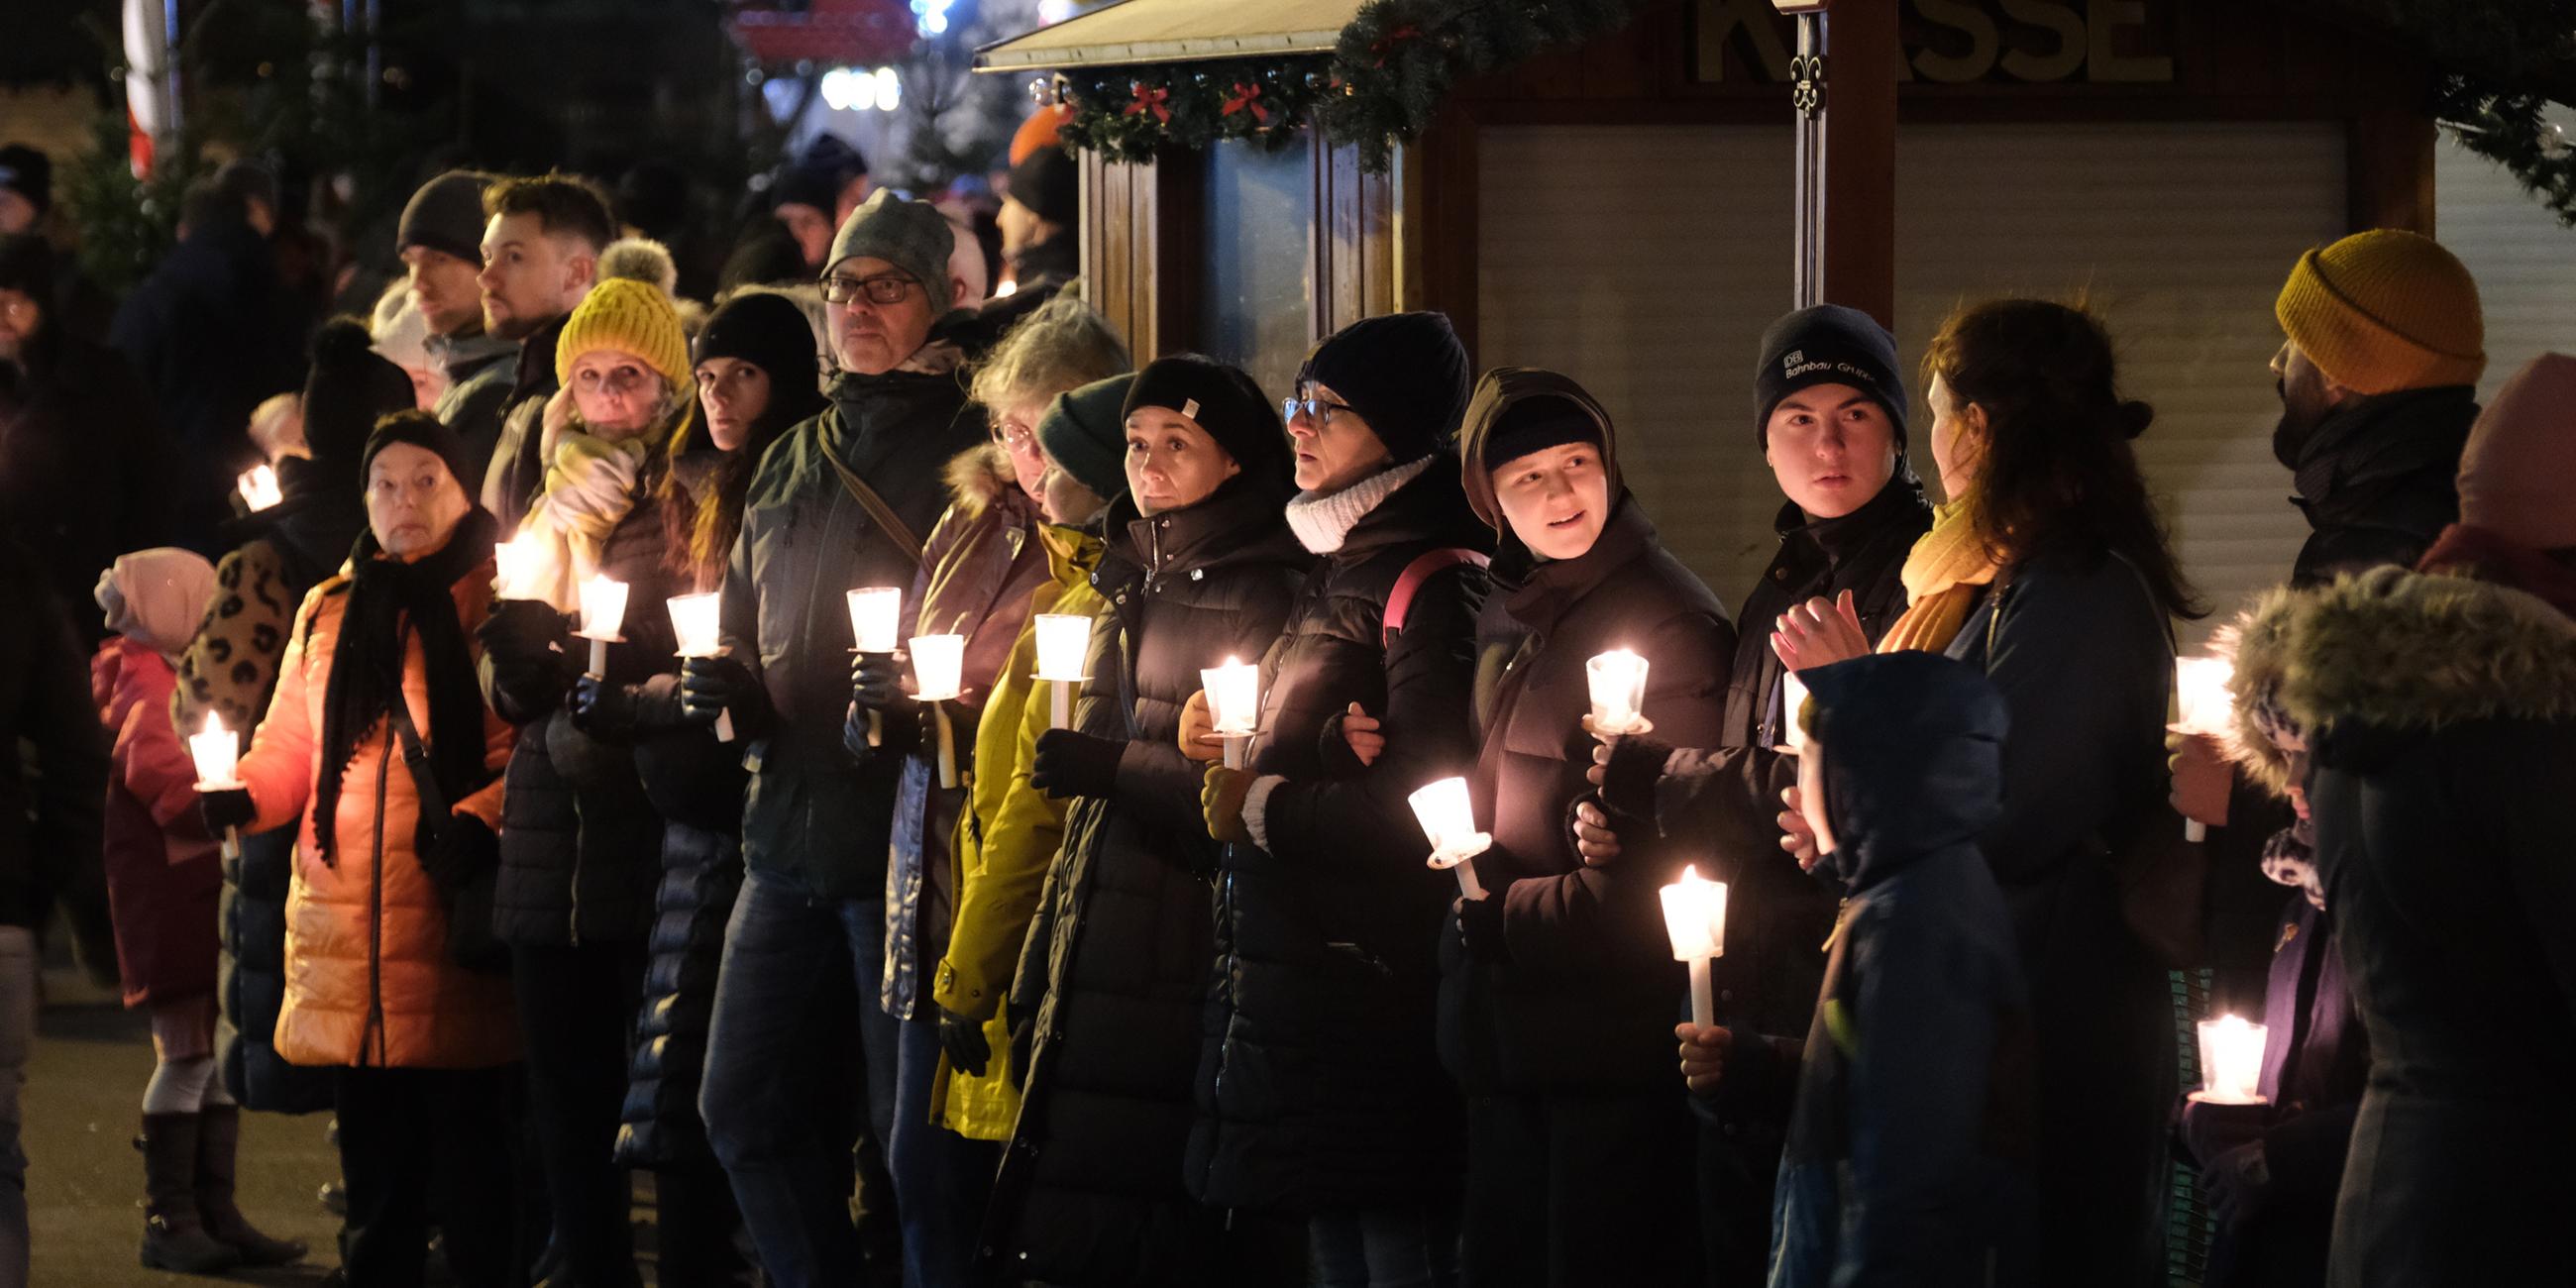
603 611
694 621
1234 704
876 622
259 489
1793 699
2231 1061
1618 682
2200 690
1695 918
1063 639
937 663
517 562
217 752
1448 819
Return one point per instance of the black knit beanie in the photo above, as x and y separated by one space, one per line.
1084 431
421 430
1225 403
348 390
1047 182
1827 345
1405 374
446 215
768 331
1535 425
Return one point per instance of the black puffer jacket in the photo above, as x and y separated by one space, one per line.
2378 478
1320 1087
695 783
1117 963
579 839
1586 1000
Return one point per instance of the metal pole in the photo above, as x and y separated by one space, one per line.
1807 97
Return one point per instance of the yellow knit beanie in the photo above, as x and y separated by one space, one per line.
2385 310
629 317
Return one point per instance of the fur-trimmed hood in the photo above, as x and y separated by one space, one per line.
2399 650
978 477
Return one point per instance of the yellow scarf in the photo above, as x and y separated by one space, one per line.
1942 575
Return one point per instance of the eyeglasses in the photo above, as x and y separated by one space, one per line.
1311 408
884 288
1012 434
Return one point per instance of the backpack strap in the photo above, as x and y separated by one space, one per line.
1400 600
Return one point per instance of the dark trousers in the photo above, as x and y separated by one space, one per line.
697 1227
942 1181
798 983
413 1140
576 1020
1561 1187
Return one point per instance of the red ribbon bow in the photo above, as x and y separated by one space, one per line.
1151 100
1244 101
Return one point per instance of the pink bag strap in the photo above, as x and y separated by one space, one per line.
1424 565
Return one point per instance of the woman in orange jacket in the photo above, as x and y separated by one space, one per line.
399 806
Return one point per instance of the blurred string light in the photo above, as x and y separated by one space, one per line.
931 16
855 89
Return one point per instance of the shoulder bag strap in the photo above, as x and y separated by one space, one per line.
875 506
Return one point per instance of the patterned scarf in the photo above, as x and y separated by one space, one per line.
1943 576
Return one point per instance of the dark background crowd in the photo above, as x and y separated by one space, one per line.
1062 971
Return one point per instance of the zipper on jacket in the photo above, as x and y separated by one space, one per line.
376 907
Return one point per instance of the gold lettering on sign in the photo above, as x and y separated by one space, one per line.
1962 16
2100 64
1720 19
2063 23
1960 42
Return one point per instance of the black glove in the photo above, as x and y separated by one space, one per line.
465 849
601 709
963 1040
2238 1183
1480 927
1073 763
522 630
876 683
1628 781
709 685
227 809
901 728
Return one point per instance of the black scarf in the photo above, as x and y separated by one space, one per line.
388 600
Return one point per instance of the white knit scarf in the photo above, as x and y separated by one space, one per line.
1323 520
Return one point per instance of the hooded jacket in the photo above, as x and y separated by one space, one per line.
1584 997
2441 719
1320 1088
1118 955
1909 1152
813 815
163 878
2378 478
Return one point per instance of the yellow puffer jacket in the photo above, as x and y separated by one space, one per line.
1001 851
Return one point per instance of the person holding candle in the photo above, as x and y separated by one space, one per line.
1559 989
2050 568
580 843
164 881
980 565
2439 709
1334 1108
424 1049
1829 415
837 503
1910 1146
1013 830
1200 564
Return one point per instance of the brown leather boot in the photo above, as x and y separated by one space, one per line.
218 1138
174 1238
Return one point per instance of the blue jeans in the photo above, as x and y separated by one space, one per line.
1415 1247
777 1095
942 1181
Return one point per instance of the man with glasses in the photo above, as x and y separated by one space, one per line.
837 504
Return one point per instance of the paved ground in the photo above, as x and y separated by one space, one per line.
84 1180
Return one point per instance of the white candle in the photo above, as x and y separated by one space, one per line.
1793 698
259 489
603 611
937 664
2200 691
1063 639
1448 818
516 564
694 621
1234 705
876 618
1695 919
217 752
2231 1061
1618 682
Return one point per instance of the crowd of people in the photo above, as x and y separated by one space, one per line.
892 972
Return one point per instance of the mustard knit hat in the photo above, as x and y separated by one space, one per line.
2385 310
630 317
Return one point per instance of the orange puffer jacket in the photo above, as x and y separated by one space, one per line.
368 976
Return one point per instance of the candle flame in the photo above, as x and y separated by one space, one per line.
213 725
